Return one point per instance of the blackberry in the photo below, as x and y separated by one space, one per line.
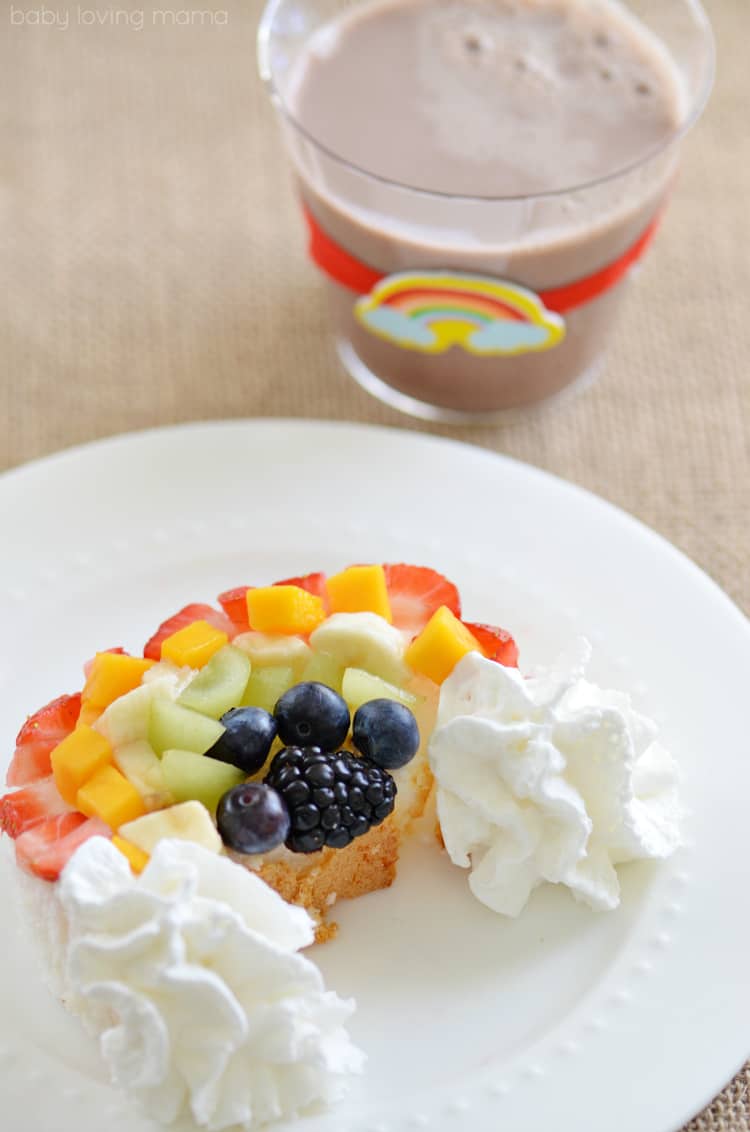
332 796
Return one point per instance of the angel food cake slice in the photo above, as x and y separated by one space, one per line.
199 809
288 730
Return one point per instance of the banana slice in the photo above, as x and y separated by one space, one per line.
363 640
189 821
127 719
266 650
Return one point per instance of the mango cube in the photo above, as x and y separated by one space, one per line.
108 795
441 644
136 857
194 645
111 676
359 589
80 755
88 714
284 609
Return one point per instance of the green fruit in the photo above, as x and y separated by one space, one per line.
324 669
359 686
266 686
126 720
138 762
220 685
174 726
196 777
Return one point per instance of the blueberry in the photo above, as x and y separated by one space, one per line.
252 818
247 738
386 732
312 715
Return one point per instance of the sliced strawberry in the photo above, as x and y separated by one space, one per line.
313 583
186 616
415 592
119 651
497 644
234 604
39 736
25 808
46 848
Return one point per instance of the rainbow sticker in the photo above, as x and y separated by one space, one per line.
431 311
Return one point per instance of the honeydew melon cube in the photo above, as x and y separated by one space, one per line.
175 726
192 777
220 685
359 686
128 718
266 686
188 821
324 669
140 764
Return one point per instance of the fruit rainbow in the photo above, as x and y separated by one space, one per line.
432 311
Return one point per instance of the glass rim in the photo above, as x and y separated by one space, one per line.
698 104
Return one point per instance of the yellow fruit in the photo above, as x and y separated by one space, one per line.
80 755
284 609
136 858
108 795
89 714
189 821
441 644
194 645
359 589
111 676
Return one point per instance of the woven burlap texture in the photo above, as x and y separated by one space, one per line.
155 272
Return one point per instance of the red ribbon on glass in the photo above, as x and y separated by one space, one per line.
360 278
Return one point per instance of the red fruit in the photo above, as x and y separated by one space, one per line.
119 651
415 592
234 604
497 644
46 848
25 808
313 583
39 736
186 616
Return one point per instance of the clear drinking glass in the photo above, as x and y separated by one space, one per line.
548 270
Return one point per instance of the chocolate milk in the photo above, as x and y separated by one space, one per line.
562 108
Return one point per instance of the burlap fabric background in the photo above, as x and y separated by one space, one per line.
154 272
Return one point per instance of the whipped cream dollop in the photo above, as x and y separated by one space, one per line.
548 778
191 977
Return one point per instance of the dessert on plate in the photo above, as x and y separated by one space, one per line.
200 809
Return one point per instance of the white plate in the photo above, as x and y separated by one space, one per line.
565 1018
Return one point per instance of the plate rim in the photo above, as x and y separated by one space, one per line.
70 453
68 456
